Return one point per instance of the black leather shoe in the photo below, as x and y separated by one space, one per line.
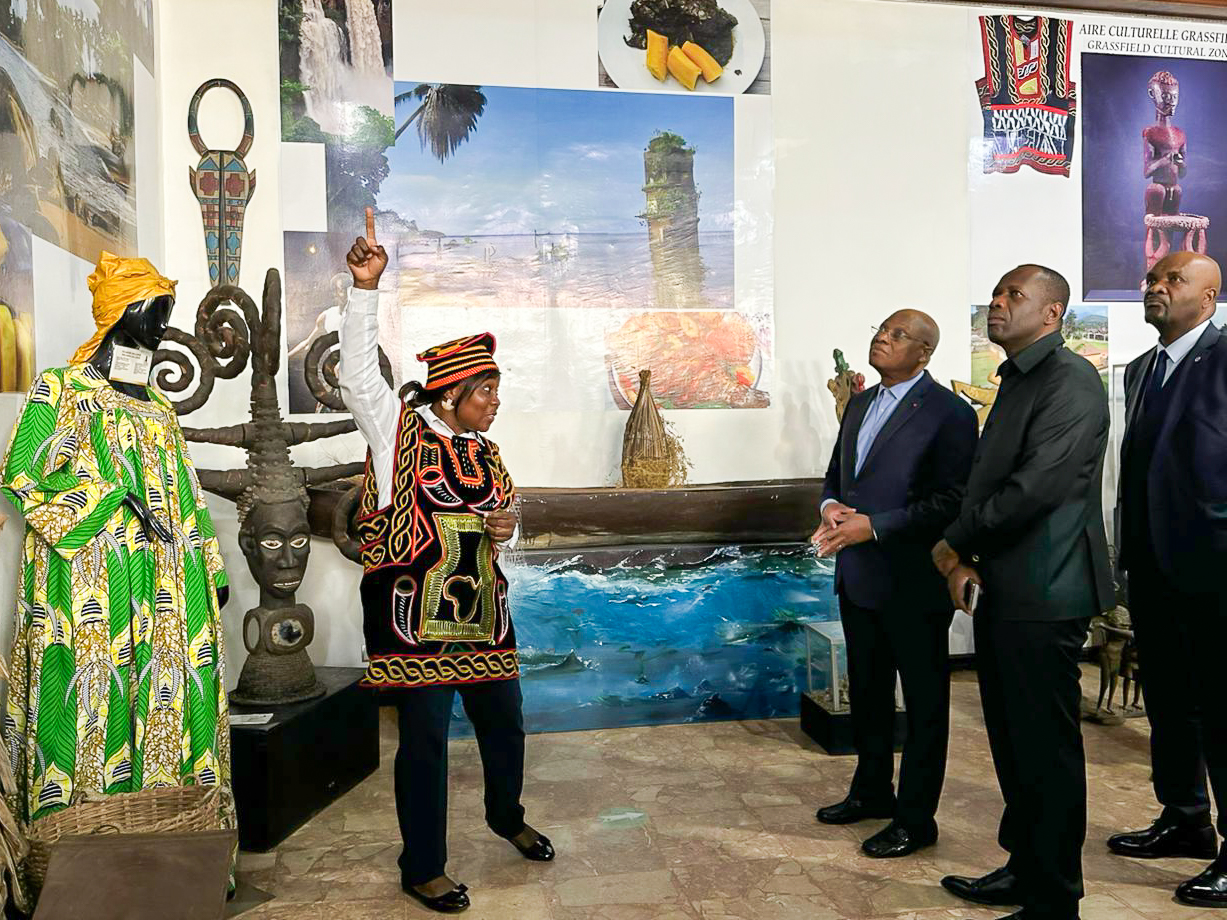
540 850
1165 839
851 810
896 840
997 889
451 902
1208 889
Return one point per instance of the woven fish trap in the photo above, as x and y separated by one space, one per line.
156 810
652 458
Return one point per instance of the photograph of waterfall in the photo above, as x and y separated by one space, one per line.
67 119
336 64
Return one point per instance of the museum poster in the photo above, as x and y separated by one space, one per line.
618 225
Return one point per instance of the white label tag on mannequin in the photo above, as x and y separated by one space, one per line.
131 365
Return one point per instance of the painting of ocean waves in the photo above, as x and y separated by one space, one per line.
661 636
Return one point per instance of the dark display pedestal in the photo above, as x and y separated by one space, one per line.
833 730
304 758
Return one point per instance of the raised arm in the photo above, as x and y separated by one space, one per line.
375 407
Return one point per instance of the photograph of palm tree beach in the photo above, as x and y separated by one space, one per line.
620 205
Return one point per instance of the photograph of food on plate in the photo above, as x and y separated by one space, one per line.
701 359
685 46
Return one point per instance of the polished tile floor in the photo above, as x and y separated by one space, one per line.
708 822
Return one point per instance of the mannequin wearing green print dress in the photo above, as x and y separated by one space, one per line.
118 665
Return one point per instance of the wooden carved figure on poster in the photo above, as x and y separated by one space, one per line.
1163 163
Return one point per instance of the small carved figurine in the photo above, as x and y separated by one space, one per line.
844 384
1112 634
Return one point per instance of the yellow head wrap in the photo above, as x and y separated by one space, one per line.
115 283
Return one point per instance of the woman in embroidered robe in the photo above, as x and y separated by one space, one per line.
435 507
117 667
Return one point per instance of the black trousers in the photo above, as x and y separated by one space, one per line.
1030 691
914 644
1181 637
424 713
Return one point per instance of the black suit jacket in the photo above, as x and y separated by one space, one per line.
910 486
1187 480
1032 520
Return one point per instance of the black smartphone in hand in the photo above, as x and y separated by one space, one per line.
971 596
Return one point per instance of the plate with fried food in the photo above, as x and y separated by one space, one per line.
697 46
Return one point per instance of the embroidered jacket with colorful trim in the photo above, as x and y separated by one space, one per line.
434 598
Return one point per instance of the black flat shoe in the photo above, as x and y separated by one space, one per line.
851 810
1163 839
451 902
894 840
540 850
1208 889
997 889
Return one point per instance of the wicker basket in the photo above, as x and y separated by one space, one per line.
652 457
162 809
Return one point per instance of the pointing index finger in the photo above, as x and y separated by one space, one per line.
370 224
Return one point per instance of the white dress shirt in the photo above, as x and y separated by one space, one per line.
375 407
1178 349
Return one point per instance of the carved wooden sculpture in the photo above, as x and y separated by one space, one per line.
271 492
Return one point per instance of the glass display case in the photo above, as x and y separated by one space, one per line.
826 665
826 715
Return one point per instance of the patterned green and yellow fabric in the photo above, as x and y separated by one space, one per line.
117 665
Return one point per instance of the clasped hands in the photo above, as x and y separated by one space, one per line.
841 526
500 525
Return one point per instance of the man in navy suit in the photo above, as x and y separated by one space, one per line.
1172 514
895 482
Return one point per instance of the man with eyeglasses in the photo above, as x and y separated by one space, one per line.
894 483
1031 535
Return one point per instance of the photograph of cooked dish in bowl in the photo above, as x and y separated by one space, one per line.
699 359
685 46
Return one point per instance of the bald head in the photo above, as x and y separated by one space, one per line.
921 325
903 345
1181 292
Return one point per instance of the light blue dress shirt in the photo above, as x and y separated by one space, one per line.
883 407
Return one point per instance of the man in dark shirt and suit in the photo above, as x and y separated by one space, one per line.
1031 535
1172 515
895 481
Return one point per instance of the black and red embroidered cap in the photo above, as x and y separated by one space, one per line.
458 359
